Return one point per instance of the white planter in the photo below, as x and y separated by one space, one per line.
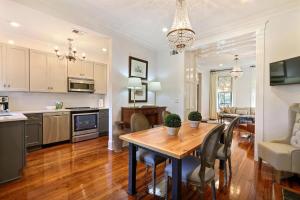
173 131
194 124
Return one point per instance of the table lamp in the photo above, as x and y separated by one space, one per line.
134 83
155 86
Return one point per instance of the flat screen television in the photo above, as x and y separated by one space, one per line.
285 72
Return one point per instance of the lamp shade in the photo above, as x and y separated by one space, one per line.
154 86
134 83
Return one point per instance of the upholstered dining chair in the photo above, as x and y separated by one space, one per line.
139 122
199 171
224 151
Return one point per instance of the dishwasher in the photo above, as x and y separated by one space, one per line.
56 127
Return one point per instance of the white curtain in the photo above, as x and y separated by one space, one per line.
213 95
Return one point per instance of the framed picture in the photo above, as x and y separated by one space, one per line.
141 95
138 68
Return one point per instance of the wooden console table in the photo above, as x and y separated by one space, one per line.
153 114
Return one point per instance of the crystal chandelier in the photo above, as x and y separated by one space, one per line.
71 55
181 34
236 72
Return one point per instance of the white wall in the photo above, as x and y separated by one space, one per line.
170 72
205 84
122 48
282 42
243 89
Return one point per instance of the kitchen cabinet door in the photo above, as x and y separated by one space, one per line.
38 71
2 61
100 77
34 131
75 69
103 121
16 69
88 69
57 74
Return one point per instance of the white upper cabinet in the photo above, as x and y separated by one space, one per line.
100 77
88 69
2 56
38 71
57 74
16 69
74 69
48 73
81 69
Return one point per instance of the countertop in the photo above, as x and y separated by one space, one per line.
47 111
12 116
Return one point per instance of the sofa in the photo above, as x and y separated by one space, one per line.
281 154
245 113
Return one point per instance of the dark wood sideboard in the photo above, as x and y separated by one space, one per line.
153 114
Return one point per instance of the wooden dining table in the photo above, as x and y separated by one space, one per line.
173 147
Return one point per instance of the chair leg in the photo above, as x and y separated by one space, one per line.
145 178
166 186
225 172
154 179
229 165
201 192
277 176
213 189
259 163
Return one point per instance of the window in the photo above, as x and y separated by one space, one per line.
224 91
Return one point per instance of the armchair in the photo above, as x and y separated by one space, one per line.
280 153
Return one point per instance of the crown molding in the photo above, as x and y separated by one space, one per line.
242 26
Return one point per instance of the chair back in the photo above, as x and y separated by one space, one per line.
165 114
229 133
209 149
138 122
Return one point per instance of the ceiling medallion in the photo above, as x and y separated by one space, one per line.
236 72
181 34
71 55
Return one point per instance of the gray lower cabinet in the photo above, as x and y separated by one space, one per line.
12 150
103 121
34 131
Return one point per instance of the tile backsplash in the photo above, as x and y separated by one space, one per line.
19 101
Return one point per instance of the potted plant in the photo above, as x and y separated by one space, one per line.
195 117
173 122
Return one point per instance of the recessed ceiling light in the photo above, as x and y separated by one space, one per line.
14 24
104 49
164 29
11 42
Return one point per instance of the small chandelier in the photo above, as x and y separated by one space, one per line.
71 55
181 35
236 72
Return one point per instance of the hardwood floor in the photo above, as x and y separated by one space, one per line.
87 170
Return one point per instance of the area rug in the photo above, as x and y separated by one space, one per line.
289 195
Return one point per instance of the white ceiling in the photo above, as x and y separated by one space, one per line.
143 20
40 31
220 55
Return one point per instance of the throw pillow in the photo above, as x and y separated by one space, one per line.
227 110
295 139
241 111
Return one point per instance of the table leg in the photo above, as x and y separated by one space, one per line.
132 170
176 179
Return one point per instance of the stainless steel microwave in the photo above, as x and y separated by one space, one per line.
81 85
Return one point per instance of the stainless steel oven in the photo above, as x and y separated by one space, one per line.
81 85
85 124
